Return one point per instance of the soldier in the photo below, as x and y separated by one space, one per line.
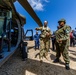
44 40
62 39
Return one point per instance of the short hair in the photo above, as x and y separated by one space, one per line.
45 21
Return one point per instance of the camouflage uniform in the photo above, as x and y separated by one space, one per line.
44 41
62 47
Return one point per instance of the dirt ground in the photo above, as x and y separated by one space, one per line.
15 65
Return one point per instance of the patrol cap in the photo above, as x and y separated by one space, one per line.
62 20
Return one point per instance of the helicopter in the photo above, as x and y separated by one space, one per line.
11 23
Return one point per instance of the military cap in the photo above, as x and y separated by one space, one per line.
62 20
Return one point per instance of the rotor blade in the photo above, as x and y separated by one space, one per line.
29 9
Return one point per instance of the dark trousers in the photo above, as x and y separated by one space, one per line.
53 44
72 42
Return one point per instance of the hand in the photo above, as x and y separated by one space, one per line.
60 41
47 34
36 28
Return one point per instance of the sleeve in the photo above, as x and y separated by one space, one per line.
40 28
66 33
50 33
67 30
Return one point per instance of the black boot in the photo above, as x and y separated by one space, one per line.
56 60
67 66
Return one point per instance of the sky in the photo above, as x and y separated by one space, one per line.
50 10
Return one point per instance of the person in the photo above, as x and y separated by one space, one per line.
36 38
72 38
53 41
44 40
62 39
23 46
56 43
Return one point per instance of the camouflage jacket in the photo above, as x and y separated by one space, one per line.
44 31
63 33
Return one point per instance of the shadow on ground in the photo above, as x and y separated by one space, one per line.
44 68
34 67
72 51
15 66
74 54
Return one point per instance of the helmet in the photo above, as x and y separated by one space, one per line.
62 20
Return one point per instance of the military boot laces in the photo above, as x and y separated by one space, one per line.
56 60
67 66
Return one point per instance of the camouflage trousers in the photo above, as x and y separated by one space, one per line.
44 48
62 49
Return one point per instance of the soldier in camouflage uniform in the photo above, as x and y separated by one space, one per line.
44 40
62 39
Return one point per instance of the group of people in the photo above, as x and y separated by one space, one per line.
61 41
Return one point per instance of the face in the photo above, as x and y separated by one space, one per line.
72 31
61 24
45 24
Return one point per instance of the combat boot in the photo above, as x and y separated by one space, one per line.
67 66
56 60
